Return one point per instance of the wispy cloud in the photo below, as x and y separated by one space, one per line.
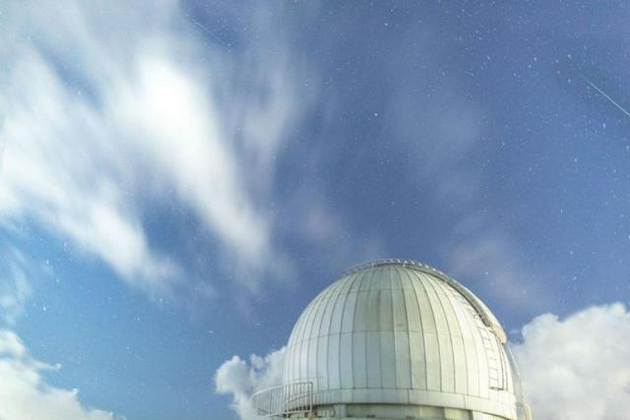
331 238
491 264
15 288
58 171
440 128
105 112
450 140
22 383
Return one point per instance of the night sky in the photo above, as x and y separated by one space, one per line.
179 179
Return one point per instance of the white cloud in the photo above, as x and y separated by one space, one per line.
577 368
178 129
26 395
109 108
241 379
57 171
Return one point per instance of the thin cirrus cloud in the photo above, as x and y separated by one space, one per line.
103 112
15 289
445 131
492 262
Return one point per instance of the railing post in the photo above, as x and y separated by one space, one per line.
283 400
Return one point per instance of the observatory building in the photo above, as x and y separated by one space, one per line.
395 339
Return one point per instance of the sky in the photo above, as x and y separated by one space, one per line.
179 179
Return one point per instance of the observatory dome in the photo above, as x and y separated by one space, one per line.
399 339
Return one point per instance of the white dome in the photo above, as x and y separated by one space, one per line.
398 335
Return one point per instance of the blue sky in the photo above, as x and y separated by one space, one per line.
179 179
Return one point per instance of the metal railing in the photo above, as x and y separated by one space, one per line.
286 399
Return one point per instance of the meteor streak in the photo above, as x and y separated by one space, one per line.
209 32
594 86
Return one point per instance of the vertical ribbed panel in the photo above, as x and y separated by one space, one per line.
399 329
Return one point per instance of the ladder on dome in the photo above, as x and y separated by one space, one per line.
496 363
